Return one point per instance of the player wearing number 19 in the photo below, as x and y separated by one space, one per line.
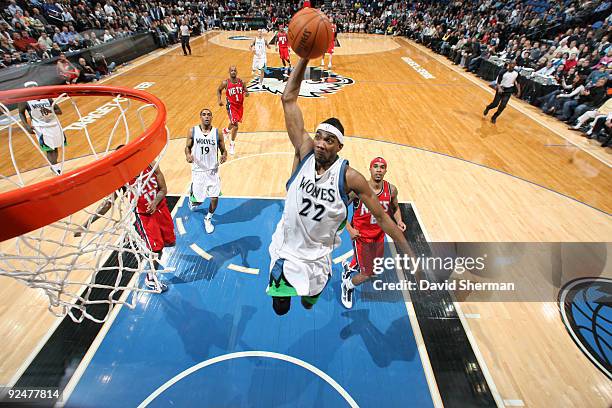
201 151
316 206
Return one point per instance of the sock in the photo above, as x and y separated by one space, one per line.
209 215
349 284
232 142
56 167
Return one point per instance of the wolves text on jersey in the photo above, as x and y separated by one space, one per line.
309 187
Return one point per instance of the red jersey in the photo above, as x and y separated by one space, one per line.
333 39
148 192
283 41
365 222
234 93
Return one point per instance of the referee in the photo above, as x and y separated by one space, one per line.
185 31
506 85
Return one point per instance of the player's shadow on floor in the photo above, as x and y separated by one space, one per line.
195 268
393 345
246 211
200 330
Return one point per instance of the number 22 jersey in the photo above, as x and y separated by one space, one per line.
315 212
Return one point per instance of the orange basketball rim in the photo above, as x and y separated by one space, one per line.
31 207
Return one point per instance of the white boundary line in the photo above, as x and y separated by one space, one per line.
418 337
244 354
485 370
515 105
483 366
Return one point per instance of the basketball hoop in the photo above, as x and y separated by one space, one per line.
39 244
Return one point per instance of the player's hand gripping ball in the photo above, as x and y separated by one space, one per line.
310 33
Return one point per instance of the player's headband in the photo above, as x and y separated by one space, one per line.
378 160
331 129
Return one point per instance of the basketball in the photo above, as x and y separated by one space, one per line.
310 33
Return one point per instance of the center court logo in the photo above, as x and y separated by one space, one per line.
275 80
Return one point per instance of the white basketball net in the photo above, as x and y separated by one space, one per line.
82 276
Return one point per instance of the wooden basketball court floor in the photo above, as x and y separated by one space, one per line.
525 179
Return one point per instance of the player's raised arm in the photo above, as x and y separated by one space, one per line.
294 121
219 90
357 183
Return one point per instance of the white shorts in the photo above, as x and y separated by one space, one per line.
308 278
50 137
205 184
258 63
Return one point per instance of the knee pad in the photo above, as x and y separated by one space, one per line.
281 305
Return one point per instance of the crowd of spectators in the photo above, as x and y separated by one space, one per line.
566 41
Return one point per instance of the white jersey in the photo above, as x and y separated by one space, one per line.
204 148
260 48
315 212
41 113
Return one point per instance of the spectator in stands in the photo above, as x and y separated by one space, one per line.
19 43
571 62
59 38
556 99
6 47
66 70
605 60
45 42
101 66
86 72
55 50
107 35
40 18
589 98
32 56
603 111
95 40
13 8
7 61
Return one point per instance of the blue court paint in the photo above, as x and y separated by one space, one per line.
210 311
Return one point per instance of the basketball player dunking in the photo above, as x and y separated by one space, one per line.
201 151
316 206
332 45
282 45
235 91
44 125
368 237
260 58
